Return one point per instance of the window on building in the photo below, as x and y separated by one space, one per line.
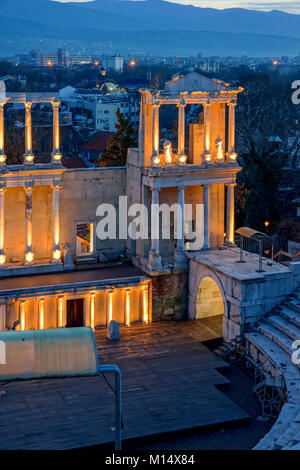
85 238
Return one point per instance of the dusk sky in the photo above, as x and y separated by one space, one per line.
291 6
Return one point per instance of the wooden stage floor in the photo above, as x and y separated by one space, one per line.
170 383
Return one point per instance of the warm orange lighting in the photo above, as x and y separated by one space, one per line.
22 314
29 257
145 305
156 161
110 307
233 157
42 314
168 152
2 260
96 63
132 63
182 159
275 62
60 311
207 157
92 310
57 255
267 223
49 63
2 159
29 158
127 308
57 157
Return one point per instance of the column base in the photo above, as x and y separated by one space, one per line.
154 261
56 157
206 158
230 244
28 261
182 159
56 256
231 157
2 259
3 159
28 159
155 161
180 258
206 247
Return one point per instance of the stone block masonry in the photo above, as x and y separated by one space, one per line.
169 296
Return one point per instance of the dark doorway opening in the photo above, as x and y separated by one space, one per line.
74 312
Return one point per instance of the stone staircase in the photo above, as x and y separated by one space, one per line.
271 344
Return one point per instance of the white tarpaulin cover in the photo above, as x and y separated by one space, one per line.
60 352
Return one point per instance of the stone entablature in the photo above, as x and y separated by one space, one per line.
193 175
125 299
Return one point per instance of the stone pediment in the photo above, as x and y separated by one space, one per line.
192 82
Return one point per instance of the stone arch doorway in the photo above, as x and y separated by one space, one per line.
210 307
209 302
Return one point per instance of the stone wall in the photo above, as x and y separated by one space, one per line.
15 223
82 192
169 296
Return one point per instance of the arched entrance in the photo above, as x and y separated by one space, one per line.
210 304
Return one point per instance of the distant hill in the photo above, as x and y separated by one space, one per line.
153 26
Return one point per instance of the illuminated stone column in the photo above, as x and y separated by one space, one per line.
127 307
206 201
109 306
92 310
41 314
179 253
28 156
154 256
230 214
22 315
206 134
155 160
2 317
145 291
232 155
181 134
56 252
2 154
2 224
60 307
28 224
56 154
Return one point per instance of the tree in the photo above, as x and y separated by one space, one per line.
265 110
119 143
258 198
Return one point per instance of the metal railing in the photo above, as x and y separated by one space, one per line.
263 245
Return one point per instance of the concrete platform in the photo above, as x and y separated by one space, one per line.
171 383
227 261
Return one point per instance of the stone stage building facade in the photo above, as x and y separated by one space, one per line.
56 272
